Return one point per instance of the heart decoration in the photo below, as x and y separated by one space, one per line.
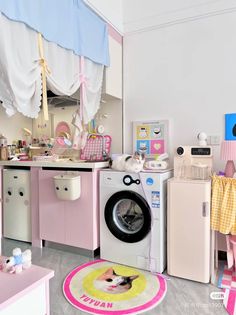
157 146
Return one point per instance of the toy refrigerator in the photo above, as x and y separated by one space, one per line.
188 229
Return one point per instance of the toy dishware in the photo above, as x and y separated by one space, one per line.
62 128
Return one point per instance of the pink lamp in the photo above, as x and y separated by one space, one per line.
228 153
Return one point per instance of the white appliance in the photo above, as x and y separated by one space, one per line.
133 218
193 162
188 229
16 204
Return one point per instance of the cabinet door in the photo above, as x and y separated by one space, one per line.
188 229
81 217
51 209
113 73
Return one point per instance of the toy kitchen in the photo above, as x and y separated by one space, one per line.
50 184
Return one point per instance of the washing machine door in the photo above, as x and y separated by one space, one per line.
128 216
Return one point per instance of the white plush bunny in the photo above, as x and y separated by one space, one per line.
18 262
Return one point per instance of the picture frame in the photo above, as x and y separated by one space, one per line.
230 126
151 137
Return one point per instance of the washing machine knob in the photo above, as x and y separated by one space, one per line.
128 180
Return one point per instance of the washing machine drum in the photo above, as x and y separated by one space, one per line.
128 216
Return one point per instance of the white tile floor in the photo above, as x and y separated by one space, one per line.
183 297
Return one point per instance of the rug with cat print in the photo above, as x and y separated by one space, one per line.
102 287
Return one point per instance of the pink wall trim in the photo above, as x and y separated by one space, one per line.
34 180
114 34
66 286
1 203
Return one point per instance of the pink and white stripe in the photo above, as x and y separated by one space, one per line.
228 150
229 301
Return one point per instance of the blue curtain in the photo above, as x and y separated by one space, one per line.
68 23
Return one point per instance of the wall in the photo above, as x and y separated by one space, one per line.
110 10
139 15
186 73
110 115
11 127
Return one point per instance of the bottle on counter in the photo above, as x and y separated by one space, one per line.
3 153
3 148
3 141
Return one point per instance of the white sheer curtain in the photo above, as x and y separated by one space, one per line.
20 72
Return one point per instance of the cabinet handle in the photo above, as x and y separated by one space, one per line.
205 209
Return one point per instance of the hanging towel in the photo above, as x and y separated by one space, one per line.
223 207
80 135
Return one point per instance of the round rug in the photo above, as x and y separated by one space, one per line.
102 287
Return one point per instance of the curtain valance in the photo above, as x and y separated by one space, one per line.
20 71
68 23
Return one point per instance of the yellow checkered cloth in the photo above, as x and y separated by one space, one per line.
223 205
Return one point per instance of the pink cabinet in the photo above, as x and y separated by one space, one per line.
73 223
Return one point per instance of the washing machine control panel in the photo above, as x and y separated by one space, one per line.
128 180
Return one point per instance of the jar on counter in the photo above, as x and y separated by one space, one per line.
3 141
9 150
13 149
3 153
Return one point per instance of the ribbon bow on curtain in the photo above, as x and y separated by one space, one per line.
83 85
80 135
45 71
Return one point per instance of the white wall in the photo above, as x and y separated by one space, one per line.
110 10
139 14
11 127
110 115
185 73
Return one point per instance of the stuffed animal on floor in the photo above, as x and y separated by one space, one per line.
17 262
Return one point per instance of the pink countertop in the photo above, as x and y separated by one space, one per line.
14 286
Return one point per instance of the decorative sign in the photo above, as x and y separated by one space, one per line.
150 137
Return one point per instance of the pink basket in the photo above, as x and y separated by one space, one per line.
97 148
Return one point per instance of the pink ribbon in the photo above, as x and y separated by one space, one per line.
83 84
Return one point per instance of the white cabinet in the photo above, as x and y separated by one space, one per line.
188 229
16 204
112 84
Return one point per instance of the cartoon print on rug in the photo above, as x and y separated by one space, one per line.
106 288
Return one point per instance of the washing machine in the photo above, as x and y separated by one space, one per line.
133 218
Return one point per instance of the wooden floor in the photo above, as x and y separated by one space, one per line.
183 297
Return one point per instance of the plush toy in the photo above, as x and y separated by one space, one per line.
17 262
